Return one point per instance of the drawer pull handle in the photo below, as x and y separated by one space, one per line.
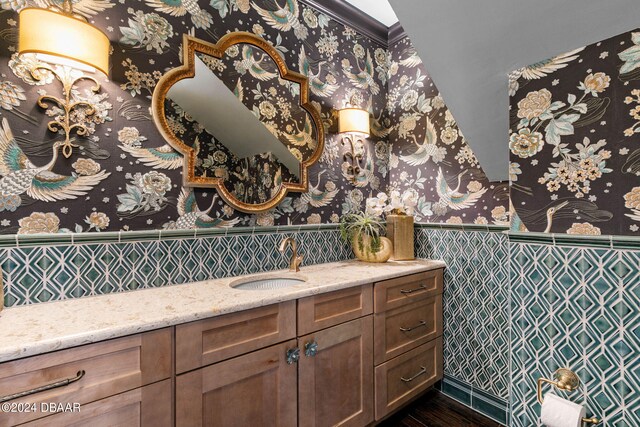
419 325
410 291
51 386
423 370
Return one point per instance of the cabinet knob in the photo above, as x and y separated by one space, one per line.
311 349
293 355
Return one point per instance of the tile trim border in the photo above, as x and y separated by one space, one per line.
60 239
572 240
462 227
33 240
480 401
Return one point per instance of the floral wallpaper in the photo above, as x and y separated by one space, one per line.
575 141
122 175
429 152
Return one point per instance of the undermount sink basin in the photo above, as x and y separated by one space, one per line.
267 282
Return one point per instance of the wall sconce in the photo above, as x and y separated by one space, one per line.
64 39
354 123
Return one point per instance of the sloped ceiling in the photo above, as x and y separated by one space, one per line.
470 46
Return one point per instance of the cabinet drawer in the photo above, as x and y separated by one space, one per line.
326 310
209 341
147 406
407 327
111 367
394 293
401 379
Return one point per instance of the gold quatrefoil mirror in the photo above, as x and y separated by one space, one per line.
241 119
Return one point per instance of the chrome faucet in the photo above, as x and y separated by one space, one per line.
296 260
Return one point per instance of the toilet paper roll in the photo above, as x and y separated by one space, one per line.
559 412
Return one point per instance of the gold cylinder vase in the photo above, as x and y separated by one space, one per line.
400 232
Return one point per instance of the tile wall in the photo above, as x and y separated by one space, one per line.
476 318
39 272
576 307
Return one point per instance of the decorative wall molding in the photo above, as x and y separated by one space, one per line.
574 240
63 239
462 227
353 17
396 33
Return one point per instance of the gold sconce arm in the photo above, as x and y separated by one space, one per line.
353 156
67 105
567 380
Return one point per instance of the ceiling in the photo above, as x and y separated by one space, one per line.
469 47
380 10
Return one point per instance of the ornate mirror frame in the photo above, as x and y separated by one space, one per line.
191 45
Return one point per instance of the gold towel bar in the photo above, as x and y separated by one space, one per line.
567 380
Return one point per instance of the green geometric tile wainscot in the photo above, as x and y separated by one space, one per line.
475 305
576 307
42 273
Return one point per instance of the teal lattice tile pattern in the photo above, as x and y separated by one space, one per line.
576 307
49 273
475 305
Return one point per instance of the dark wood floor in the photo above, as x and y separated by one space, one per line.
436 410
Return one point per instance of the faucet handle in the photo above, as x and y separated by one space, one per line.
298 261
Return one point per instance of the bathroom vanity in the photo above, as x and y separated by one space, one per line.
350 345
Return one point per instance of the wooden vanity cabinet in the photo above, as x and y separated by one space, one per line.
408 338
335 372
330 382
122 379
150 405
349 358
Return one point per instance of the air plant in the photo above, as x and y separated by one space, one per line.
364 229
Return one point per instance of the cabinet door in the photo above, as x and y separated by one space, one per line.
336 384
257 389
149 406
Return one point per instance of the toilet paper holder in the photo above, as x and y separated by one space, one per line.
564 379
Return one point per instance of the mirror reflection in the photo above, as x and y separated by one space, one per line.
252 140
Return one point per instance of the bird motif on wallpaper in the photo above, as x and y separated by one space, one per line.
238 90
319 198
303 137
452 197
86 8
200 17
518 225
164 157
192 217
413 60
585 210
248 63
541 69
427 149
377 126
317 86
284 18
20 176
364 78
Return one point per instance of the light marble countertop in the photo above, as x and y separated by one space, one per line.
40 328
